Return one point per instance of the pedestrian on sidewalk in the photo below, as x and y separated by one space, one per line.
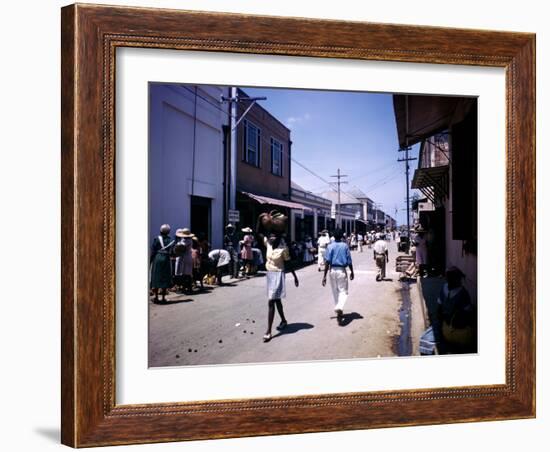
337 259
308 251
353 241
231 244
421 251
360 242
247 256
322 244
198 268
277 256
161 268
380 250
184 262
218 262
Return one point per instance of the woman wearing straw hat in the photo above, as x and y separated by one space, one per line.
184 262
247 256
161 268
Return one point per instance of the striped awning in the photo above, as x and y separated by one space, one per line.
275 201
433 182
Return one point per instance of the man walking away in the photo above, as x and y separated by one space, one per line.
322 244
380 256
337 258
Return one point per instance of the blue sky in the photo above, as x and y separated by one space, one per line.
355 132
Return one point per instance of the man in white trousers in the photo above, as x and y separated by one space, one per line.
381 257
337 259
322 244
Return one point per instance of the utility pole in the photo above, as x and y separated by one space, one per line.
234 122
377 208
407 159
407 148
233 149
338 212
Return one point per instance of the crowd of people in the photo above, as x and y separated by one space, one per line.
186 261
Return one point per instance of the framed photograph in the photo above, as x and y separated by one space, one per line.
281 225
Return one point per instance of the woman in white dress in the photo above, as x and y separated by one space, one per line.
308 250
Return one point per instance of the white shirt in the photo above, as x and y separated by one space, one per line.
224 257
380 246
323 241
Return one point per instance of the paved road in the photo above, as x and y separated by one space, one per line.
226 324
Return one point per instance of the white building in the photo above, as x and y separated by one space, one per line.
186 159
351 209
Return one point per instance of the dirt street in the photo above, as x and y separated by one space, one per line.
225 325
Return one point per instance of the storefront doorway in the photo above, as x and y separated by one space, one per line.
201 217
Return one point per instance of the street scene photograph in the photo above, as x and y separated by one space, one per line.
294 225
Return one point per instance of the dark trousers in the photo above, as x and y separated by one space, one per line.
381 264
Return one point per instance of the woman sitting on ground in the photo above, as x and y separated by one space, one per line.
456 323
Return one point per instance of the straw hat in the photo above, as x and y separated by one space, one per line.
184 233
247 230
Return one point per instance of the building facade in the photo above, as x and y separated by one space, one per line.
446 128
351 210
187 130
312 219
264 150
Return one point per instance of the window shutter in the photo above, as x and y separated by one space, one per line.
259 150
245 140
464 177
281 160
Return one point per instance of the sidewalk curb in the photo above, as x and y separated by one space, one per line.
422 302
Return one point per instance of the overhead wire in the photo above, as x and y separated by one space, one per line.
330 184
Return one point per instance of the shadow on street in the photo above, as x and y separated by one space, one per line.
176 301
348 318
292 328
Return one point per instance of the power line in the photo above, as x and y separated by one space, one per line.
313 173
267 143
205 99
382 167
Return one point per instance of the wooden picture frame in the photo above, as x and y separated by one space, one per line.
90 36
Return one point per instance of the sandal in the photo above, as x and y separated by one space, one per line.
282 325
267 337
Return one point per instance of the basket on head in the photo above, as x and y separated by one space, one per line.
273 221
